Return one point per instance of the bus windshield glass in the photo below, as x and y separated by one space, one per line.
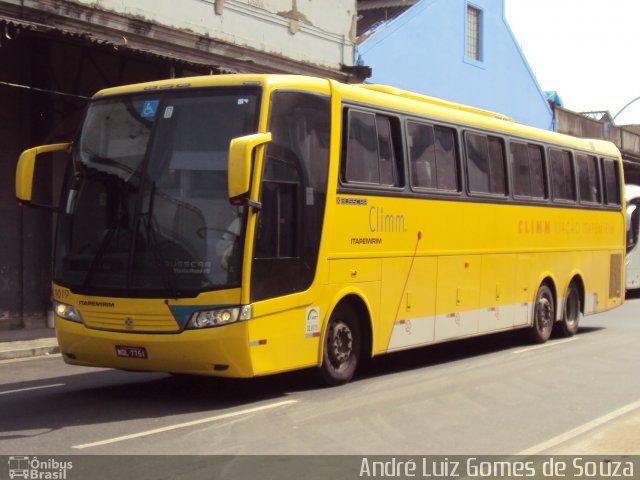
145 207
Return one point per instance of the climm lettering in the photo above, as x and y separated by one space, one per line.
380 222
534 227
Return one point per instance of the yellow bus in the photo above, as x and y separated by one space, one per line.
245 225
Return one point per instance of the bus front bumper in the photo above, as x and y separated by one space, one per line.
221 351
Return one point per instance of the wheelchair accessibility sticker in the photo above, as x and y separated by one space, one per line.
149 108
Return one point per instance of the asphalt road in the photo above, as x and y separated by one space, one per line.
494 395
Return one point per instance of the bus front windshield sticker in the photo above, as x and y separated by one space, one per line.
149 108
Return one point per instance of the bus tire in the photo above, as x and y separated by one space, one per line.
571 313
543 315
342 346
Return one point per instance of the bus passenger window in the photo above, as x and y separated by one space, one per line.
422 155
536 165
362 149
433 157
611 182
588 178
497 169
372 150
520 169
485 164
562 175
388 165
446 159
528 170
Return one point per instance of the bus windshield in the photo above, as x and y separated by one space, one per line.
145 205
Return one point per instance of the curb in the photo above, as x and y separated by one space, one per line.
11 352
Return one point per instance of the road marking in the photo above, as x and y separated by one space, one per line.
552 442
186 424
33 388
546 345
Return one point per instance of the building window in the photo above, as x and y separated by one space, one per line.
474 16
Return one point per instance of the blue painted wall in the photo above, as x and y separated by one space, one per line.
423 50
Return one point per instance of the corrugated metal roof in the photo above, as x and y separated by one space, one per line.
9 23
373 13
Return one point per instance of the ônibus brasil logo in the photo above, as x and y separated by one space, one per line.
38 469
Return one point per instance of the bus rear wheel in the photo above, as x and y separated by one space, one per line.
342 346
543 315
571 314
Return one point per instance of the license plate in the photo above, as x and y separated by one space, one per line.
131 352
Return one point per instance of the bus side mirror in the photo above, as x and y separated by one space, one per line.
26 168
239 174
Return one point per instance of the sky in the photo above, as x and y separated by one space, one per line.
586 50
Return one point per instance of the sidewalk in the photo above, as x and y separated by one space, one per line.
27 342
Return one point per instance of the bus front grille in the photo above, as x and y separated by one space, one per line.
130 322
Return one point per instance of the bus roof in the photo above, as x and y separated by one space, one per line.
398 99
231 80
434 100
380 95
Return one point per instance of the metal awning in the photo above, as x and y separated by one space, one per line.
175 47
10 29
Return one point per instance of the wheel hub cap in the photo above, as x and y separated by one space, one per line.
545 313
342 343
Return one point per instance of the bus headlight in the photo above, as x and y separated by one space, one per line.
222 316
67 312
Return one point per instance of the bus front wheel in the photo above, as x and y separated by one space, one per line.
571 314
543 315
342 346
